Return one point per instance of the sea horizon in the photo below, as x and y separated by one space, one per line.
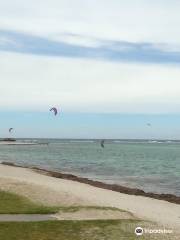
150 165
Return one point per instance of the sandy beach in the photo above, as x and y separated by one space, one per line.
50 190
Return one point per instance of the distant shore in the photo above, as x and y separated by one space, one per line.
114 187
20 143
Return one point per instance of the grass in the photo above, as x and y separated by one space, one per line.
11 203
70 230
78 230
78 208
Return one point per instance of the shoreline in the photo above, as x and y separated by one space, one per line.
20 143
113 187
40 187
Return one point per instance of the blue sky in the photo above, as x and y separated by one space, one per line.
89 125
109 66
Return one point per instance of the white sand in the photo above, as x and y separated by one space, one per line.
70 192
93 214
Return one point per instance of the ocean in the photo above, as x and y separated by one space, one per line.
153 166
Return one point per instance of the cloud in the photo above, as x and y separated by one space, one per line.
134 21
79 40
5 41
83 85
90 56
71 45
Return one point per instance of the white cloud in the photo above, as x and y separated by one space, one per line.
85 85
139 20
167 47
77 40
4 41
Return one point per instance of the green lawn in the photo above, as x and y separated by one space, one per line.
64 230
70 230
78 230
12 204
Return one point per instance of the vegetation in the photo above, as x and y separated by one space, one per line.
78 208
70 230
11 203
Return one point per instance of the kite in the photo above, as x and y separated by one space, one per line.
54 110
10 130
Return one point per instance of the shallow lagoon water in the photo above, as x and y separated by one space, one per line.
151 166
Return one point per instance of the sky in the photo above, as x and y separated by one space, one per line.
108 66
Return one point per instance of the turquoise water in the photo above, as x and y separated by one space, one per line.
151 166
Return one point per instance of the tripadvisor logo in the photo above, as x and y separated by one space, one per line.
139 231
